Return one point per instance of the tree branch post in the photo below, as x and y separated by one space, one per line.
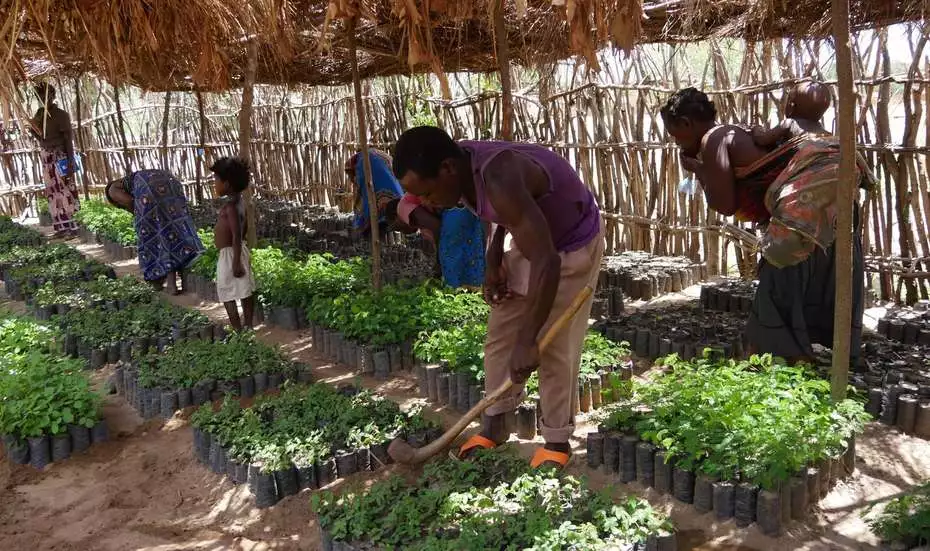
80 133
245 138
164 132
503 62
366 162
845 196
201 156
122 130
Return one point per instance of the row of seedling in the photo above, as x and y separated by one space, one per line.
195 372
305 437
753 440
48 410
681 329
452 504
728 296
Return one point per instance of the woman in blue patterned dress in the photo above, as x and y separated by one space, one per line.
165 232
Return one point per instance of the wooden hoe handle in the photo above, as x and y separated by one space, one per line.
402 452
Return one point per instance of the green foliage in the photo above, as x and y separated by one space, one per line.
33 255
757 418
419 113
304 424
205 265
42 205
40 393
79 293
495 501
462 346
188 362
20 336
396 314
15 235
108 221
285 280
905 519
29 267
599 352
99 327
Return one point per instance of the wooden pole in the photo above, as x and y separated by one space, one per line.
164 132
845 196
80 133
366 163
245 138
122 130
503 63
202 149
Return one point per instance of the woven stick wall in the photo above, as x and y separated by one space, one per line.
605 124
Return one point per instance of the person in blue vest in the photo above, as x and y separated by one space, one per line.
387 189
459 236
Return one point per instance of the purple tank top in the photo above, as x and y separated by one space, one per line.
569 207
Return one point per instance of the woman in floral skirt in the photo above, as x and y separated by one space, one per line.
52 127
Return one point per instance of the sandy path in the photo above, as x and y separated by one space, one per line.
145 490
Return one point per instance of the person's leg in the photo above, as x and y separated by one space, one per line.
55 199
248 311
503 326
232 310
72 203
172 281
559 364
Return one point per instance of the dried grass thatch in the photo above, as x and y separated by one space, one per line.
168 44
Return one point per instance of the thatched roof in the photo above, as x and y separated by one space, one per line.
159 44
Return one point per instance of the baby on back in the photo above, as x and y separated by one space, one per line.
805 106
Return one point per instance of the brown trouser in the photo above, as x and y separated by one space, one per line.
558 365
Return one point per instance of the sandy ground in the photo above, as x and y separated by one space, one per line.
145 490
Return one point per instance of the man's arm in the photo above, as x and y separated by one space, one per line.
510 180
495 252
715 172
495 280
768 137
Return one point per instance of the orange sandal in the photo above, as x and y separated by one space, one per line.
476 441
543 456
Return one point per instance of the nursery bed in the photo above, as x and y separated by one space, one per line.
895 379
493 502
739 458
909 325
683 329
644 276
306 437
729 295
118 500
47 409
450 372
198 370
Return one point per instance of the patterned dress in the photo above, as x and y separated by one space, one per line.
165 232
62 193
